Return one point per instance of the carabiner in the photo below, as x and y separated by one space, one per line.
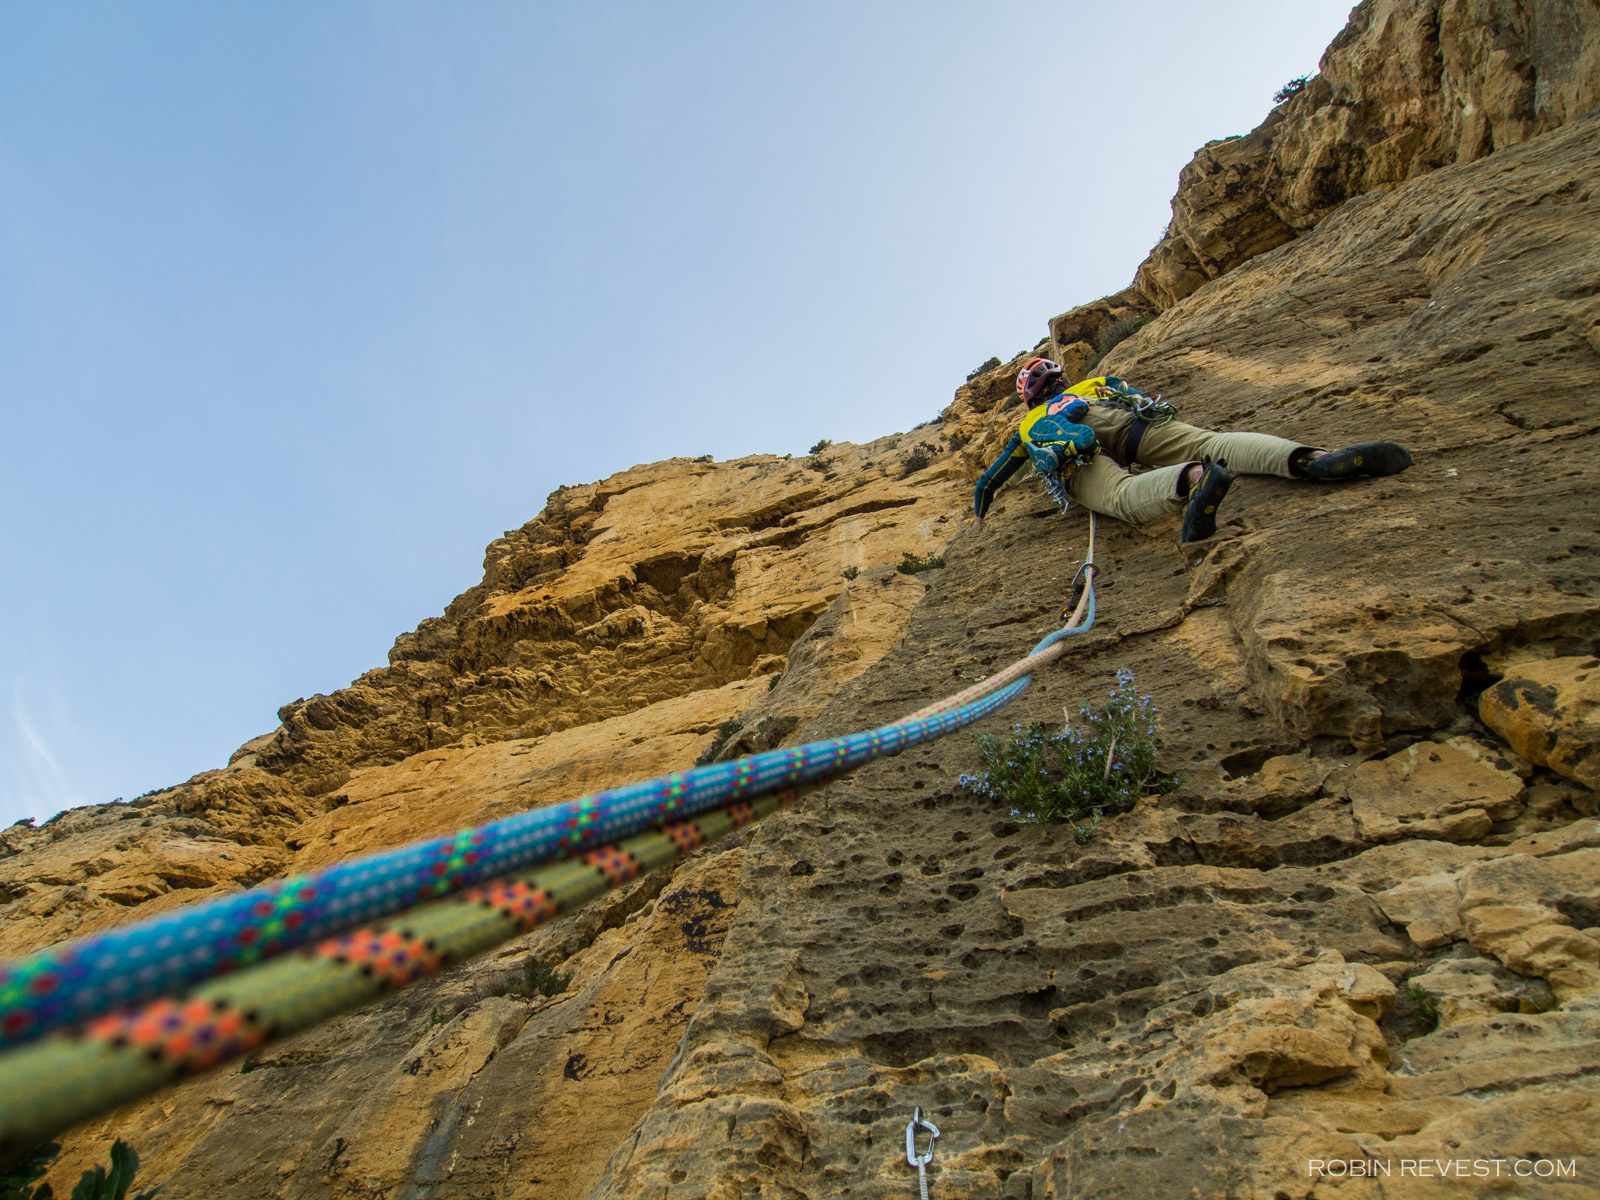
1086 575
911 1138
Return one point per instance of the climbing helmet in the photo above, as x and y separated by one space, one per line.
1037 378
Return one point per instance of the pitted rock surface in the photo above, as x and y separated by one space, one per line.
1224 983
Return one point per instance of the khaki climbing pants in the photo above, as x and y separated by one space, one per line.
1108 489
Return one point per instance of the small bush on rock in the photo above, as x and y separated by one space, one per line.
17 1182
821 446
1293 88
20 1182
1427 1007
1111 336
1098 767
911 564
919 458
987 364
541 979
725 733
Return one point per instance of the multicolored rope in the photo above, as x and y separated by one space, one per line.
60 1080
78 981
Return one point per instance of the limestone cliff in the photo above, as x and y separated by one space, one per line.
1366 925
1407 87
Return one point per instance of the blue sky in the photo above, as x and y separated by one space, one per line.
303 304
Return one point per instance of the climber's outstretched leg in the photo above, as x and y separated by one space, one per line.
1245 453
1369 458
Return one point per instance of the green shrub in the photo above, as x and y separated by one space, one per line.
919 458
725 733
1103 765
772 681
704 458
541 979
1427 1006
820 446
911 563
851 572
17 1182
98 1184
987 364
1293 88
1118 331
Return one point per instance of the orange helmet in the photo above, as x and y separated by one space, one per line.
1038 378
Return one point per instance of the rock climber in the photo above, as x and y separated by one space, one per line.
1081 439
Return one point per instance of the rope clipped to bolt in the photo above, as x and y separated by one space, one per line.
98 1022
920 1161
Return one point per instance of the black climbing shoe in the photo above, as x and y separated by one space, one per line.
1369 458
1200 518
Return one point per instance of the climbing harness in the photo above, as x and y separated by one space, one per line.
290 954
920 1161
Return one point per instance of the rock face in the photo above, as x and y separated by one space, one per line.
662 580
1364 927
1549 712
1353 932
1407 87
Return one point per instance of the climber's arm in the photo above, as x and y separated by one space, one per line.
1002 469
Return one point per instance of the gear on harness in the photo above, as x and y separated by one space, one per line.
1055 483
1152 409
1058 446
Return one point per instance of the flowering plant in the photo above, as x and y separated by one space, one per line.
1100 765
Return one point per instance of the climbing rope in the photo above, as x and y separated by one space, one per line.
57 1081
125 1048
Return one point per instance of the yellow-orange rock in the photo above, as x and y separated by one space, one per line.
1549 712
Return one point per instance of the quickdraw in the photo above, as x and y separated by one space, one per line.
920 1161
1153 409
